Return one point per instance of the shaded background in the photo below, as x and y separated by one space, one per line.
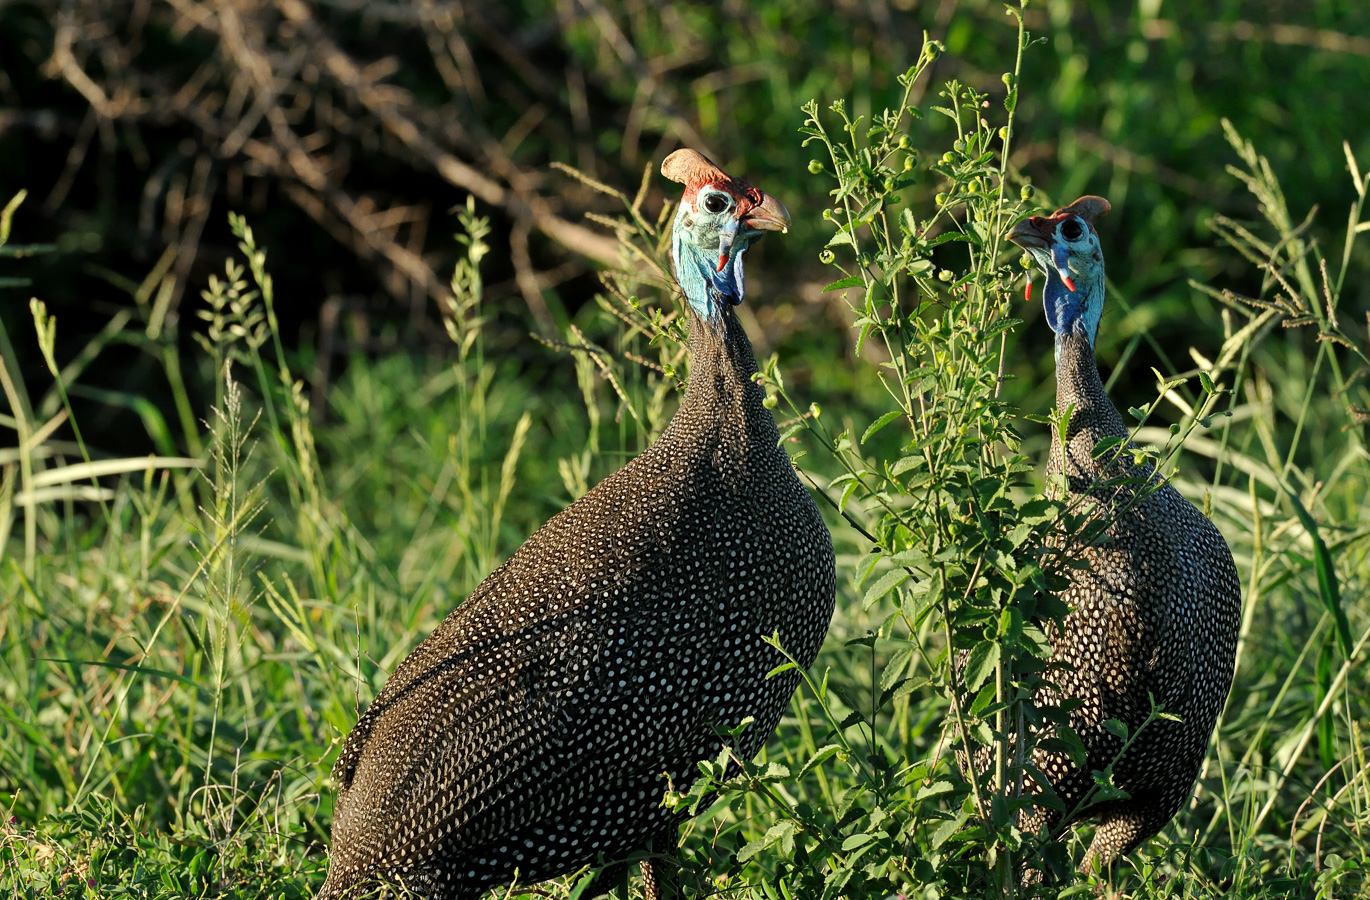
346 132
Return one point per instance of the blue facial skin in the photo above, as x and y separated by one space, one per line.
1079 310
701 236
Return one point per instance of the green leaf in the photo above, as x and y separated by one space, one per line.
857 840
1107 444
137 670
887 582
981 663
1327 732
848 282
1328 588
880 423
846 494
1137 413
824 753
869 210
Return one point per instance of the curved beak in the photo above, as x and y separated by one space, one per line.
771 215
1034 233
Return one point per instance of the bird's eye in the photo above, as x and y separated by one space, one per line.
1072 230
715 203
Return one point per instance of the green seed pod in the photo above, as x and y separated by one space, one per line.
948 157
904 142
827 215
940 199
945 275
1025 261
825 257
770 401
1027 191
815 167
1008 79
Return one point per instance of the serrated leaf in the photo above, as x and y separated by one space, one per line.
880 423
868 211
823 754
886 583
980 664
857 840
848 282
846 494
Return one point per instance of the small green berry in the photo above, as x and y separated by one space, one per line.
945 275
959 146
825 257
770 401
815 167
1003 133
815 410
908 164
948 157
1026 192
941 198
904 142
827 215
1025 261
1008 79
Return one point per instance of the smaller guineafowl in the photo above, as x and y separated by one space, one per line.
1156 612
537 729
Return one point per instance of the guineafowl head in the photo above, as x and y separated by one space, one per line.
718 220
1066 247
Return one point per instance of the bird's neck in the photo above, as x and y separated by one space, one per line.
723 405
1093 416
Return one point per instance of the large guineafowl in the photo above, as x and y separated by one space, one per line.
536 730
1156 611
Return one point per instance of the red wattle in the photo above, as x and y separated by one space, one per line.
1027 292
1069 282
723 261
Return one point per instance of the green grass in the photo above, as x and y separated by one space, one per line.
184 641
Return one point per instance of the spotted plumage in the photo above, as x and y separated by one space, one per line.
1156 609
536 730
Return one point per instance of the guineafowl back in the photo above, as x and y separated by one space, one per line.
1155 614
536 730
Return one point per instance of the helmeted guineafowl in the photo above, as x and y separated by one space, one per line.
1157 610
536 730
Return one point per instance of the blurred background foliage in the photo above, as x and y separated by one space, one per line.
347 132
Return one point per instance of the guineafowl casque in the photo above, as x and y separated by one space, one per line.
1157 610
536 730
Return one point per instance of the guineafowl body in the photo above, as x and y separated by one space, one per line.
536 730
1157 607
